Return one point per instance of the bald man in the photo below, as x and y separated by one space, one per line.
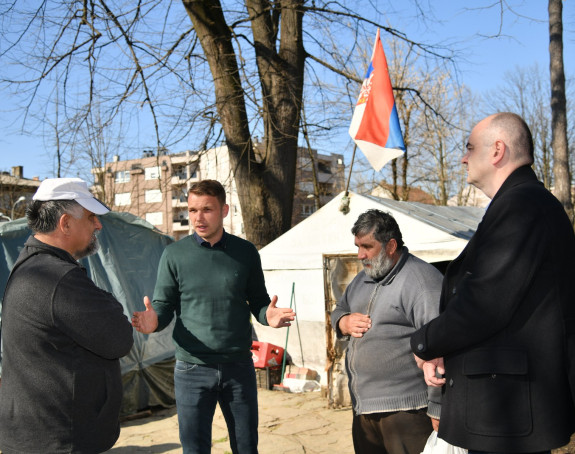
502 345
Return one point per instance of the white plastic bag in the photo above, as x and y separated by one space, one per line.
436 445
297 385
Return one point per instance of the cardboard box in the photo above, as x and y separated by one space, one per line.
301 373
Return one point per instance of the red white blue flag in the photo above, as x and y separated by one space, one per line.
375 123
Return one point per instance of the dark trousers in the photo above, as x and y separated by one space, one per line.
200 387
401 432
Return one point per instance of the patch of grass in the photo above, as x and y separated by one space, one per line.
221 440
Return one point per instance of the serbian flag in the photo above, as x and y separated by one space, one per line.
375 124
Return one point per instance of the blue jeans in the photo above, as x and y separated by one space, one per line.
199 387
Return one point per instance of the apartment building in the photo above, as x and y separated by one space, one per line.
15 193
154 186
319 178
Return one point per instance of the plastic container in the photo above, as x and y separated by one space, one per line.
266 355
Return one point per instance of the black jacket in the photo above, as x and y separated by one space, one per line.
62 338
506 323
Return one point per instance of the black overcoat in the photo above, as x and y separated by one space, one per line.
506 326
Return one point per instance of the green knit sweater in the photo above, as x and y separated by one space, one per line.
212 292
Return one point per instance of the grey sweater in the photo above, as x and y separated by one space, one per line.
383 375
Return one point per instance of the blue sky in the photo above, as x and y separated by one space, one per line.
524 41
524 38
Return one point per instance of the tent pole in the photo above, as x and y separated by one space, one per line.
297 326
287 332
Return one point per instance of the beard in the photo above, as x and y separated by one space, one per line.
380 265
91 249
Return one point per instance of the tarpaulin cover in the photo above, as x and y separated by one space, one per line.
126 266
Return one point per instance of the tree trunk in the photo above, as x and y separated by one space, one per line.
394 179
265 183
558 108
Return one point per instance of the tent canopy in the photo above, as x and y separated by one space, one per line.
433 233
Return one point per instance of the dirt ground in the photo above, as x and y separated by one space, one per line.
289 423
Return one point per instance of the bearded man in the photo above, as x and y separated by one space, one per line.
396 293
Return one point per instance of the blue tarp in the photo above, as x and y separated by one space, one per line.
126 266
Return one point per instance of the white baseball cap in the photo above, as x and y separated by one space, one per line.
70 189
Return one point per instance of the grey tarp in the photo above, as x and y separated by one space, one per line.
126 266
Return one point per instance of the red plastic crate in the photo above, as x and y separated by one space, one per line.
266 355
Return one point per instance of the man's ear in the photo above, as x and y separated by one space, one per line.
499 151
64 224
225 210
391 247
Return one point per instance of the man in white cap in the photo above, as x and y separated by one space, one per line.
62 336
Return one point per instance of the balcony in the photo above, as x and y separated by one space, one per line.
181 225
136 169
179 203
179 179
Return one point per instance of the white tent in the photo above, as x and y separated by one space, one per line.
297 261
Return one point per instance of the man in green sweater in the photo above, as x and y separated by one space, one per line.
212 281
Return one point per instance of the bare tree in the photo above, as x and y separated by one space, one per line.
439 161
559 108
525 92
266 192
97 143
237 68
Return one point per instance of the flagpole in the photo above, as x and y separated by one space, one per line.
350 169
344 206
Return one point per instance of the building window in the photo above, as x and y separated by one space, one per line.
179 172
122 199
153 196
323 167
152 173
155 218
306 210
180 196
326 189
122 176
